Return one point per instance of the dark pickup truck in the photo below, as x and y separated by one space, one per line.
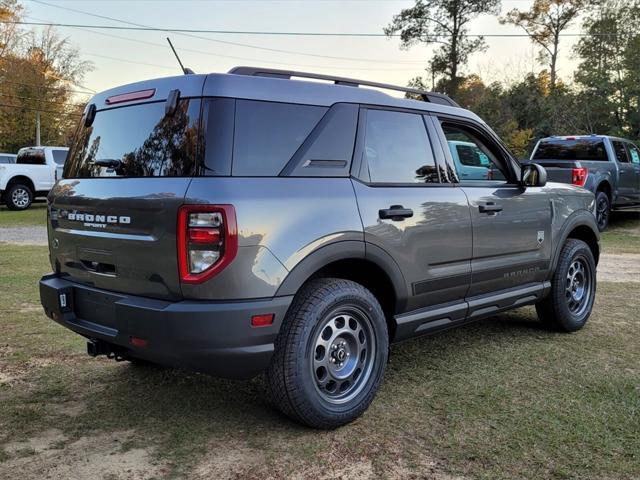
607 166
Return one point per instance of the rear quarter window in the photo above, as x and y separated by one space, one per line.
138 141
268 134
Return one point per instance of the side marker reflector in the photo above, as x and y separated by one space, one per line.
262 320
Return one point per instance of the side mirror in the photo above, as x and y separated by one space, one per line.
533 175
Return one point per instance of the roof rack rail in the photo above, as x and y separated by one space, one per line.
349 82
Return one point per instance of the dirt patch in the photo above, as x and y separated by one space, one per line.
69 409
38 444
101 457
236 459
622 268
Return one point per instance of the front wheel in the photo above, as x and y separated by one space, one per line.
573 289
330 354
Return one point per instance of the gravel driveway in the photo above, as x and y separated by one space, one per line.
24 235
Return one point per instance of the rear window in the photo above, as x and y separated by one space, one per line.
6 159
31 156
137 141
588 149
267 134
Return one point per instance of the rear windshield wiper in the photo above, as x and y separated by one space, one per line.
108 163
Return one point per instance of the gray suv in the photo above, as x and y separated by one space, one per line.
252 222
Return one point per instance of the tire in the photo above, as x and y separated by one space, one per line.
573 289
603 210
18 197
330 354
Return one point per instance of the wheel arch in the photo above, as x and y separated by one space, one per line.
369 266
21 179
605 186
581 226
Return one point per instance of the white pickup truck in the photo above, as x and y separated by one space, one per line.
32 175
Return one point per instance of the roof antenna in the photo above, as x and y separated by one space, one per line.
186 71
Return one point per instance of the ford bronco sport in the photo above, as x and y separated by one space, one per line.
252 222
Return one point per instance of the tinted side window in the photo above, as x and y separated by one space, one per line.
472 158
328 150
137 141
59 156
621 152
31 156
634 153
6 159
397 148
219 114
267 135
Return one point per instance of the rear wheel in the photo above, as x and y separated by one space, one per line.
18 197
603 210
573 289
330 355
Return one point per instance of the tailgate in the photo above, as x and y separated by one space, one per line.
558 171
118 234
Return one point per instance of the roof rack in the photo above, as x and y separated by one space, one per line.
349 82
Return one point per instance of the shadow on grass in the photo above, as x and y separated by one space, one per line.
153 396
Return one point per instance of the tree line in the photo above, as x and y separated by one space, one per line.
40 74
603 97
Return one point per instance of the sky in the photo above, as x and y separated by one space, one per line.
121 57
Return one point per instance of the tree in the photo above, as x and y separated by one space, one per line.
10 11
609 71
544 23
444 22
37 74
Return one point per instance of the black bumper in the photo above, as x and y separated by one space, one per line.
211 337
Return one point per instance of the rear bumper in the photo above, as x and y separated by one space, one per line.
211 337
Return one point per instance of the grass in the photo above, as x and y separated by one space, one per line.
623 234
499 399
36 214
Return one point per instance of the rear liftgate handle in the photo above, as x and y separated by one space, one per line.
397 213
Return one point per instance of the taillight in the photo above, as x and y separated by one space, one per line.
207 240
579 176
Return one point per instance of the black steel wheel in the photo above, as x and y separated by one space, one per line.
330 354
573 289
603 210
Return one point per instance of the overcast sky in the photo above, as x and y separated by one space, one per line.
135 56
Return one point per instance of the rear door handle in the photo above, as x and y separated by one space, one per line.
397 213
490 208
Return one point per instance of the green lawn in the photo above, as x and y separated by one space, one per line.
36 214
623 234
499 399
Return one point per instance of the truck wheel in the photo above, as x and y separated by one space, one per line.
330 354
603 210
573 289
18 197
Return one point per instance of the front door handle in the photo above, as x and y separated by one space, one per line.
490 208
397 213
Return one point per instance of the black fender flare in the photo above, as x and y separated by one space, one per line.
344 250
579 218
